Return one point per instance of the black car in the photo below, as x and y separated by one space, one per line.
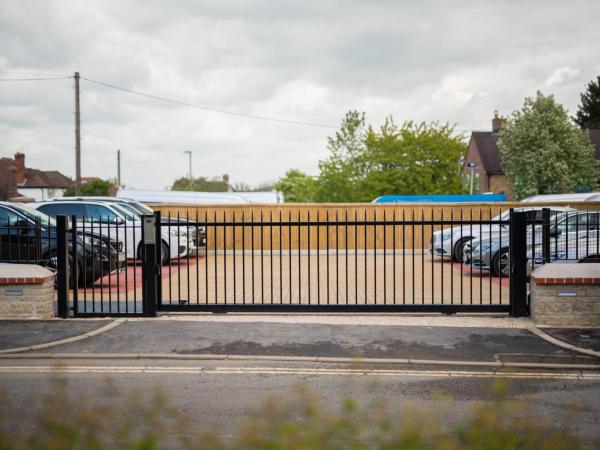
30 236
196 231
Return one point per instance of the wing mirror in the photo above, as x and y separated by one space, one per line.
554 232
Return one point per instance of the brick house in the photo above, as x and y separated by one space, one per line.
23 183
483 152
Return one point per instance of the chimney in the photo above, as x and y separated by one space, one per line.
20 168
498 122
11 184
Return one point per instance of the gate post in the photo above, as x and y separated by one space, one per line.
518 264
150 268
62 267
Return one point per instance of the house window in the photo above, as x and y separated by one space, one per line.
51 193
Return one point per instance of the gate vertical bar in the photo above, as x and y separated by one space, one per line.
158 256
62 266
545 236
518 264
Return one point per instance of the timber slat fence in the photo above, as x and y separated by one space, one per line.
304 237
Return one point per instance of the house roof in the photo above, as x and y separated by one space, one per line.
45 178
594 135
485 141
33 178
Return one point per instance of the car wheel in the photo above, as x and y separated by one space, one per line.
501 263
457 251
165 254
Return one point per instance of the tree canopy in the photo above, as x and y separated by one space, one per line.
588 114
543 152
200 184
93 188
365 163
296 186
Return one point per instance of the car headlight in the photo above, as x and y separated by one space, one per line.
485 245
90 241
177 231
447 235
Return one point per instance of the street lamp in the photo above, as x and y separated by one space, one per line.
471 167
189 153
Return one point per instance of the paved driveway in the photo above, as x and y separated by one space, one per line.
310 279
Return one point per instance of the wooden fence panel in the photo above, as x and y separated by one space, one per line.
345 236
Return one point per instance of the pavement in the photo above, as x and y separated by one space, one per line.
456 338
24 333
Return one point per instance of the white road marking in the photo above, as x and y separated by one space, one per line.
199 370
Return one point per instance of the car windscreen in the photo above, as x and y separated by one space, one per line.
130 208
124 212
35 215
144 209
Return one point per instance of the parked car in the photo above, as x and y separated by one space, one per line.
197 240
449 243
113 220
578 241
30 236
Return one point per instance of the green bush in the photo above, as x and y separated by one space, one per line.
298 422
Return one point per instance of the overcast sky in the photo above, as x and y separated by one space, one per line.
307 61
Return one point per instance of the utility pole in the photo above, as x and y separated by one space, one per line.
77 138
189 153
471 167
118 168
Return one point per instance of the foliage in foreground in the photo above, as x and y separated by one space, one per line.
299 422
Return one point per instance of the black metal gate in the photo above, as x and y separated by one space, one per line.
353 262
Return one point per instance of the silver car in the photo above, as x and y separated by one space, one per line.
573 236
449 242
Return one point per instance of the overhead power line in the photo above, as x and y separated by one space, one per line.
34 79
210 108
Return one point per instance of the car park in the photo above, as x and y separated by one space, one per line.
449 242
30 236
112 220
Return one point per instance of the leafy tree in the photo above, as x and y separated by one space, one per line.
341 175
588 115
543 152
413 159
297 187
94 187
241 187
365 163
200 184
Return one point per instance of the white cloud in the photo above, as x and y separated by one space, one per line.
308 61
561 76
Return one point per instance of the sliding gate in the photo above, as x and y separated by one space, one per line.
349 262
340 262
